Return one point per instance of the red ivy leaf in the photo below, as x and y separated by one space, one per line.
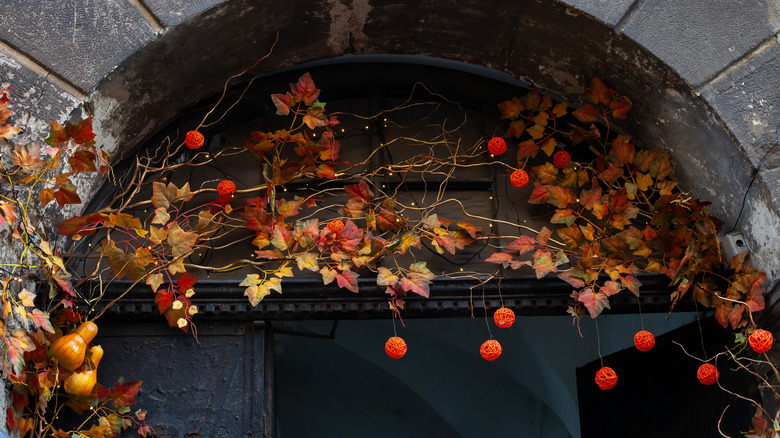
359 192
527 149
305 89
599 93
500 257
283 103
348 280
620 107
122 393
586 114
522 244
83 161
66 194
595 302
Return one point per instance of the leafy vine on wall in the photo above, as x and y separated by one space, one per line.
613 211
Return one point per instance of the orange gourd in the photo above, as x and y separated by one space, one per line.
69 350
81 384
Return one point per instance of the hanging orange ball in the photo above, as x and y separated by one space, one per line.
504 317
497 146
606 378
336 226
519 178
644 340
761 341
708 374
194 139
561 159
395 347
226 187
490 350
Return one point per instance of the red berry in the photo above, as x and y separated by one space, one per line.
194 139
336 226
519 178
395 347
644 340
761 341
497 146
707 374
606 378
490 350
504 317
561 159
226 188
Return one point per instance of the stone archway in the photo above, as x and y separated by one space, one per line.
700 74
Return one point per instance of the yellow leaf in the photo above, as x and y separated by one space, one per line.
27 297
181 323
161 216
177 305
190 292
157 235
154 280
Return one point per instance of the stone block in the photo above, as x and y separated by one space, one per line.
748 101
608 11
698 38
80 40
34 101
171 12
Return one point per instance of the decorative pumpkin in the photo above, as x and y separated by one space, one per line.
519 178
336 226
490 350
761 340
497 146
69 350
644 340
226 187
561 159
194 139
708 374
395 347
606 378
81 384
504 317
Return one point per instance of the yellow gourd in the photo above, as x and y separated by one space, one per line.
81 384
70 349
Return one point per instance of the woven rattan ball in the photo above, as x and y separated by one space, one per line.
497 146
490 350
194 139
606 378
644 340
336 226
561 159
708 374
504 317
395 347
226 187
519 178
761 341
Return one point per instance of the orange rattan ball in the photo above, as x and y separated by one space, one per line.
561 159
644 340
490 350
504 317
226 187
497 146
194 139
708 374
761 341
336 226
395 347
606 378
519 178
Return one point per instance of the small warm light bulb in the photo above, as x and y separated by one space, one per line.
412 203
342 129
461 269
491 197
391 173
366 126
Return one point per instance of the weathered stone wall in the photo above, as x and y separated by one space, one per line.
701 73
